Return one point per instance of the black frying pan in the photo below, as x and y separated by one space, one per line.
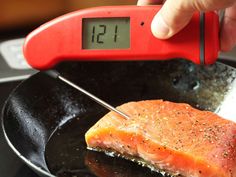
44 120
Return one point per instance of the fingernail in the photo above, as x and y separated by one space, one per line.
141 3
159 27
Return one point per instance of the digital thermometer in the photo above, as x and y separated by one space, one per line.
120 33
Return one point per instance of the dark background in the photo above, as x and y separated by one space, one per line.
24 14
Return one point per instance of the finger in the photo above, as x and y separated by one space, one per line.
228 31
175 15
172 18
149 2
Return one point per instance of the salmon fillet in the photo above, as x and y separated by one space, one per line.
173 137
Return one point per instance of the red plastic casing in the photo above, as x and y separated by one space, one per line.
61 39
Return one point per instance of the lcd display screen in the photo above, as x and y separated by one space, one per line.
106 33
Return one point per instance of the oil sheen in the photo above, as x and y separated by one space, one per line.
67 155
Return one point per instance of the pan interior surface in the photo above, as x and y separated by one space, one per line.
178 81
44 117
70 158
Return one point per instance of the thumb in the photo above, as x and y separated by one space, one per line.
173 16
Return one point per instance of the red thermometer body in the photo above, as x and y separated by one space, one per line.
120 33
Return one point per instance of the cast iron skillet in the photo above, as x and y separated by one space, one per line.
44 120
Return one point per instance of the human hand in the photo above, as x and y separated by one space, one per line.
176 14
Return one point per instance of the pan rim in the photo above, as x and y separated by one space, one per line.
13 148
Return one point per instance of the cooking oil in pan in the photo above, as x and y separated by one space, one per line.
67 155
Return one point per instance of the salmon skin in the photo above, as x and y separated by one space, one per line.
171 137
